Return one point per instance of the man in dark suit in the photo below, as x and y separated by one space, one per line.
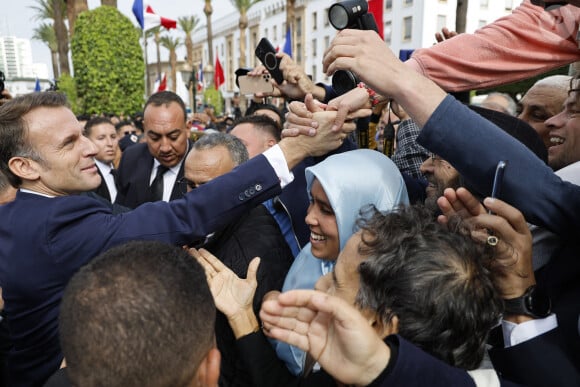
48 232
255 234
102 133
149 172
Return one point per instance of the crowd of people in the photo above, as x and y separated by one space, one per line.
348 240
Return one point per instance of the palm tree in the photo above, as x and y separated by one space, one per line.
461 15
171 44
208 10
243 6
73 10
56 10
45 33
188 24
155 31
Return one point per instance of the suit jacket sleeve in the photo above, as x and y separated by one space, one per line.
201 212
542 361
457 134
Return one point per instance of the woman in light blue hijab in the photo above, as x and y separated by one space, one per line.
350 181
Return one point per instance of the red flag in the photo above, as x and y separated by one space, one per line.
219 77
376 8
163 84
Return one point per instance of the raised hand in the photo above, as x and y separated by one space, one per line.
445 34
506 231
331 330
232 294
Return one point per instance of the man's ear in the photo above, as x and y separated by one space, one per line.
271 143
383 328
208 372
24 168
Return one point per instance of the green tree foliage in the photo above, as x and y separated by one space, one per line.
66 85
213 97
108 62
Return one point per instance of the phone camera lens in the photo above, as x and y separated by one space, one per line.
270 61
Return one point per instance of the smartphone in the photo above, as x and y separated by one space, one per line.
267 55
257 84
498 179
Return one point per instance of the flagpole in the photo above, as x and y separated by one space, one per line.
147 86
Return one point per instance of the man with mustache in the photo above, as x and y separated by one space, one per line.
149 172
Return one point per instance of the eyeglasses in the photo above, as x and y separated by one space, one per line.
185 185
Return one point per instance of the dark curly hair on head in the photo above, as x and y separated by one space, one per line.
433 280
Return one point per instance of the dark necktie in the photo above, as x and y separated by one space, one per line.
115 175
157 185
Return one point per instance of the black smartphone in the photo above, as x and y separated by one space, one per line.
498 179
267 55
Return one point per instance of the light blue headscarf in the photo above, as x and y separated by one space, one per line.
351 180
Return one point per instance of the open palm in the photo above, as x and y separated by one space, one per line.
231 293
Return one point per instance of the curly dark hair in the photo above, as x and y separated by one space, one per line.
433 280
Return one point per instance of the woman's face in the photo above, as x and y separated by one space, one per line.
322 222
343 281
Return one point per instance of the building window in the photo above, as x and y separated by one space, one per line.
408 2
314 21
388 4
388 31
326 21
441 22
407 28
266 33
298 27
509 5
481 23
326 42
313 76
314 48
484 4
298 52
275 32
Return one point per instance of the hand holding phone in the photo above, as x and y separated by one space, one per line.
267 55
257 84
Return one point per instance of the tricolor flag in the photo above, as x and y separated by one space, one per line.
149 19
160 83
37 85
288 43
200 77
219 77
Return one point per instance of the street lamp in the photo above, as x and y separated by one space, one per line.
208 74
188 73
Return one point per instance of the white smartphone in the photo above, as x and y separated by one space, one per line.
253 85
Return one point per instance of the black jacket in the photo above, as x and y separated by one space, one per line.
255 234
